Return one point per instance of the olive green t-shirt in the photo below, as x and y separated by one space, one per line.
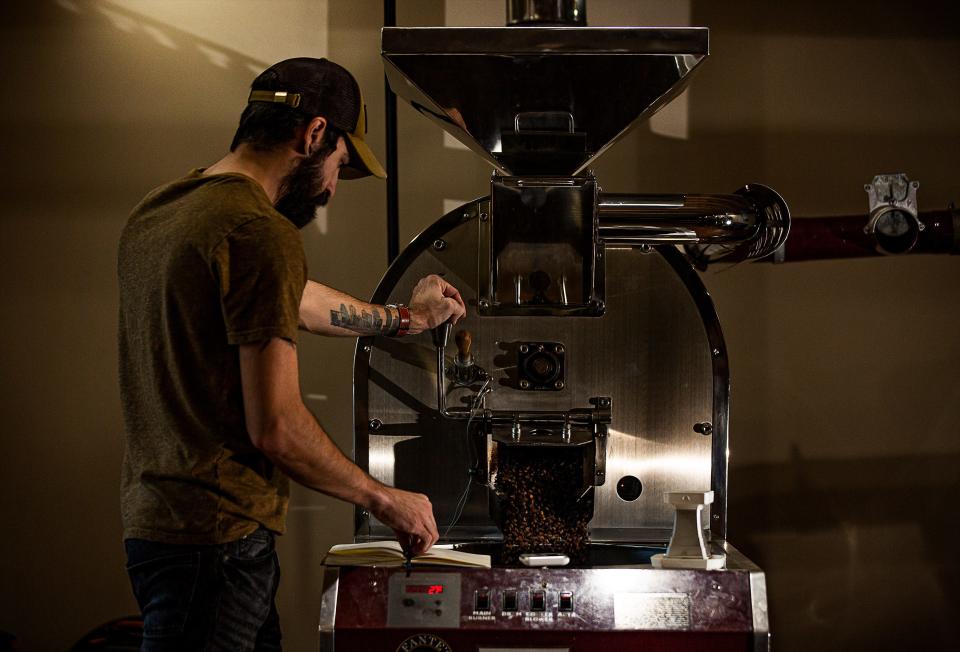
205 264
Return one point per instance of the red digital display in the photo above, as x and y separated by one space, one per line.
429 589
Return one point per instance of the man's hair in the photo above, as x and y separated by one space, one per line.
266 127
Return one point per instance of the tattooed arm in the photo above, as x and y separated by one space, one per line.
326 311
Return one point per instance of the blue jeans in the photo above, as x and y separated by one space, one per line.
210 598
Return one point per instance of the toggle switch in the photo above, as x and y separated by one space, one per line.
566 601
482 601
538 601
510 600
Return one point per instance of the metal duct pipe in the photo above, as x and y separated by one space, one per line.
751 223
547 12
828 238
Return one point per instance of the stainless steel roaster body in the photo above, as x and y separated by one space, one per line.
589 330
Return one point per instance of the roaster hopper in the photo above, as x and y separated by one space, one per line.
590 332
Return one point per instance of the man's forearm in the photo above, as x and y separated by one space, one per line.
282 428
308 456
326 311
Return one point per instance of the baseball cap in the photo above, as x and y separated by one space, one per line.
321 87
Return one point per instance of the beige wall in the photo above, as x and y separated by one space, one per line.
846 455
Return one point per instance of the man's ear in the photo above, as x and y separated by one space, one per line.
313 135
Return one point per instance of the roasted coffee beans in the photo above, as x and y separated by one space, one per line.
539 489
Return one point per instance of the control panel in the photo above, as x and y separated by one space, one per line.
497 603
437 600
424 600
474 607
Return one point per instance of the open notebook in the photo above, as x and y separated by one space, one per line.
389 553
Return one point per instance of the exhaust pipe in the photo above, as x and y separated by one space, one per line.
751 223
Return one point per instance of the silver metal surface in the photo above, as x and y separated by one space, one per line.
758 608
752 223
541 229
328 607
893 190
736 560
510 93
650 352
707 218
649 235
546 12
894 224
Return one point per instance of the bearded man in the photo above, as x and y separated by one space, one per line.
213 290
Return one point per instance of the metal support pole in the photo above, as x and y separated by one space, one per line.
393 186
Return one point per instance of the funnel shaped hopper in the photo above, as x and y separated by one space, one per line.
540 100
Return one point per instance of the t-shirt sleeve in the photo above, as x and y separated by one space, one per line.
261 269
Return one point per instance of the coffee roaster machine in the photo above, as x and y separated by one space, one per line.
588 331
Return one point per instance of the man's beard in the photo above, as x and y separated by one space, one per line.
298 198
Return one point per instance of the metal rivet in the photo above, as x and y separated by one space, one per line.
484 304
558 348
524 348
367 348
558 384
375 424
483 217
439 244
524 384
716 352
604 402
716 517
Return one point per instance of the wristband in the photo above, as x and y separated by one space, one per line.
404 318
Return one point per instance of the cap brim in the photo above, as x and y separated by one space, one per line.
362 161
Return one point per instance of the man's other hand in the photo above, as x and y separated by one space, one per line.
410 515
433 302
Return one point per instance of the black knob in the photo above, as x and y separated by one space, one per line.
704 428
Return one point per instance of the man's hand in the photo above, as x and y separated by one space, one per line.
410 515
433 302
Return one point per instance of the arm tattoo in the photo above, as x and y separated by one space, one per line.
363 323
